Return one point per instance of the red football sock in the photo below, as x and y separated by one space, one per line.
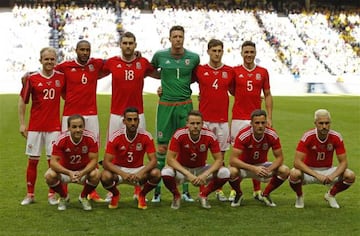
214 184
296 186
274 183
148 186
235 184
58 188
31 174
113 189
88 188
170 183
256 185
339 187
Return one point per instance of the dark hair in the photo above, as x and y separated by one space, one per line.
82 41
248 43
176 27
74 117
214 43
258 112
128 35
130 109
194 113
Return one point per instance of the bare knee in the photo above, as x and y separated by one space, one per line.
295 174
94 176
349 176
51 177
106 177
234 172
283 171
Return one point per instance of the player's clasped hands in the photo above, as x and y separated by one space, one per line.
262 171
132 178
198 180
75 176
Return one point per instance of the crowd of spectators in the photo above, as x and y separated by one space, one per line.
299 44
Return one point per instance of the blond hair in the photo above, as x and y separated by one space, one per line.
320 113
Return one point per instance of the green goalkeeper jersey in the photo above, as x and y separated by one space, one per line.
175 74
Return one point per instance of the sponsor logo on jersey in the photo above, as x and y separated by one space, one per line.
139 147
313 147
123 148
187 146
206 73
67 150
118 66
167 62
241 76
84 149
40 84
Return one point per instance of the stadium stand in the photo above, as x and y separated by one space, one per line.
289 45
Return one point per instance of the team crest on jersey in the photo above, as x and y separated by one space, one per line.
57 83
138 65
258 76
329 147
224 75
202 148
91 67
160 134
265 146
187 61
139 147
84 149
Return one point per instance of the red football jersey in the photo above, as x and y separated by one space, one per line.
320 153
255 151
80 88
248 87
130 153
213 86
127 83
75 156
45 101
193 154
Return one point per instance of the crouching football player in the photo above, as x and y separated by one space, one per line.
74 160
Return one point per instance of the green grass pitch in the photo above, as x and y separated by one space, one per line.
292 116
